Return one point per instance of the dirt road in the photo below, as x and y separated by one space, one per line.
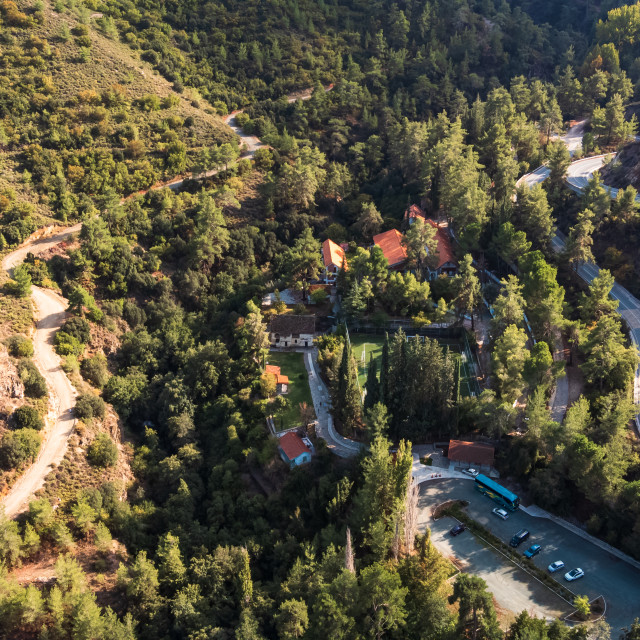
50 312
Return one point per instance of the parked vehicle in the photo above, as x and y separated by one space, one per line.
501 513
555 566
533 550
457 530
519 537
496 492
574 574
471 472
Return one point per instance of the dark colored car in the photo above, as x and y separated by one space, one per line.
519 538
458 529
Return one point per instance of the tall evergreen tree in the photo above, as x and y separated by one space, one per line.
371 386
383 388
349 408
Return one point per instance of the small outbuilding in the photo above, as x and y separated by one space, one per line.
282 382
474 453
294 449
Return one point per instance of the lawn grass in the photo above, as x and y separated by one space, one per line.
292 365
369 345
373 344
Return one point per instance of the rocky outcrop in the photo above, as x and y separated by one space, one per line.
11 387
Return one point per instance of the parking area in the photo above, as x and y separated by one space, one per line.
605 574
511 587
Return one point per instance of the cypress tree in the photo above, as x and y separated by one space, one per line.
349 401
371 385
383 388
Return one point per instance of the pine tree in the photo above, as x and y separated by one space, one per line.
371 386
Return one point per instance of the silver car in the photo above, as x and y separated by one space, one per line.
501 513
574 574
555 566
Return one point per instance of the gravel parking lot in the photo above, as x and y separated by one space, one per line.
605 574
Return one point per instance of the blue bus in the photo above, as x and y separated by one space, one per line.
501 495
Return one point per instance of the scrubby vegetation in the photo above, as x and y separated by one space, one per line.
441 103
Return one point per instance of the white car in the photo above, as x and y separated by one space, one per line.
501 513
574 574
471 472
555 566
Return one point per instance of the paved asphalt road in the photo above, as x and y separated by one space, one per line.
605 574
512 588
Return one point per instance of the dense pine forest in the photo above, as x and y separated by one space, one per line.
172 514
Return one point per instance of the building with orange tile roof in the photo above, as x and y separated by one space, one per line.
282 382
391 244
446 263
334 259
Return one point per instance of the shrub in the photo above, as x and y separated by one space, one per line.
18 447
20 347
67 345
103 451
79 328
95 370
133 314
27 418
34 384
89 406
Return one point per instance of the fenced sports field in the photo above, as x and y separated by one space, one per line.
365 344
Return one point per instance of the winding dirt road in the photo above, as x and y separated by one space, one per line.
50 312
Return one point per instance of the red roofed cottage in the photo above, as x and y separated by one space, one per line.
294 450
333 258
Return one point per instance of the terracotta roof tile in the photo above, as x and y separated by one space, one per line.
413 212
292 445
445 250
332 254
472 452
391 244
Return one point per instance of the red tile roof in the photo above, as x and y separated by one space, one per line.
292 445
472 452
280 379
445 250
332 254
413 212
391 244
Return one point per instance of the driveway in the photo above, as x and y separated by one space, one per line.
605 574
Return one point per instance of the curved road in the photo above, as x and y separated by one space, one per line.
50 314
578 175
50 310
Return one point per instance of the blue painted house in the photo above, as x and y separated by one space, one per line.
294 450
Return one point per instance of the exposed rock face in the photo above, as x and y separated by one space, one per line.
11 386
625 169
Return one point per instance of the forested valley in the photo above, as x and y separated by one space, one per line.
172 514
